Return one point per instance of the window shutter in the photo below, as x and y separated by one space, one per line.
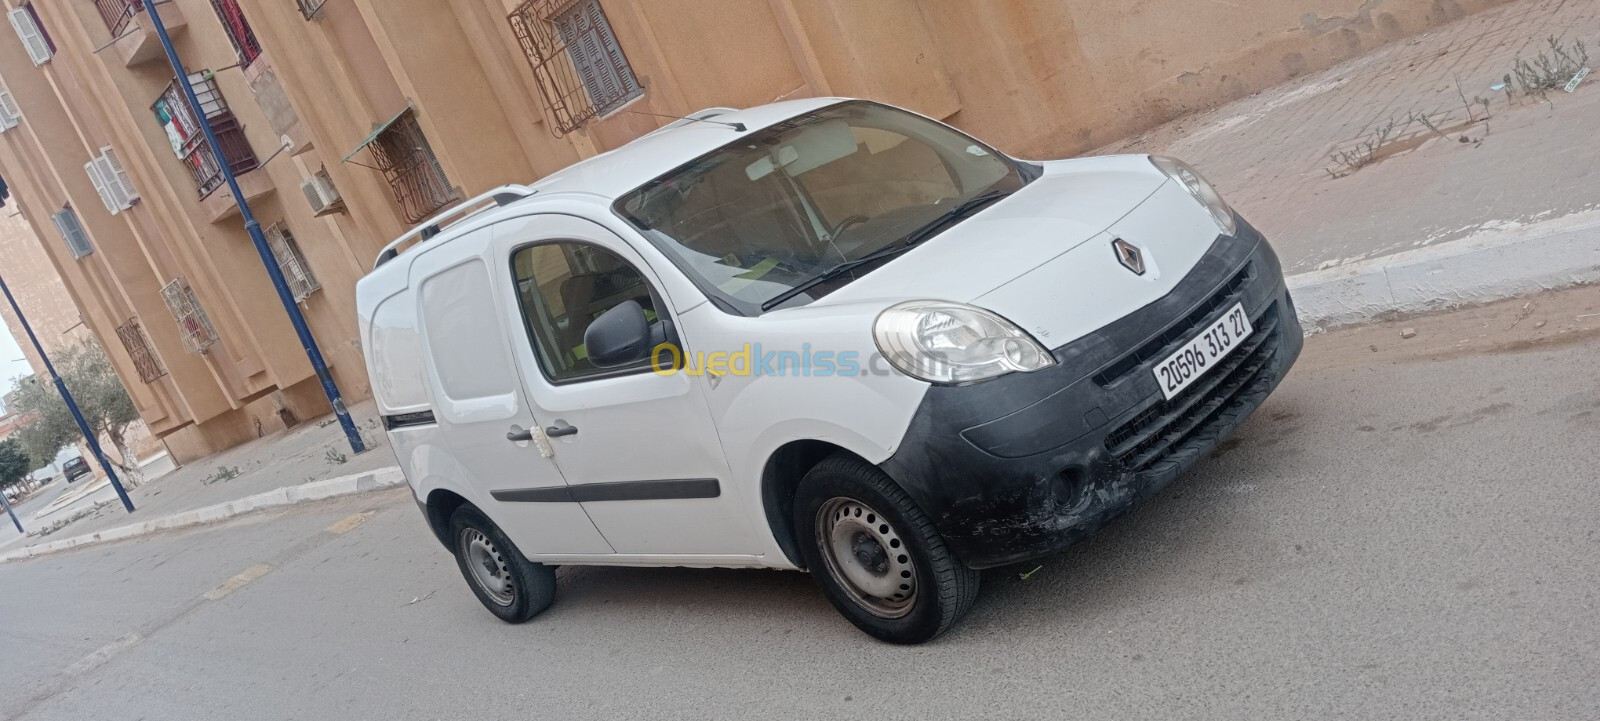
114 191
32 37
10 114
611 59
120 175
596 56
72 232
93 169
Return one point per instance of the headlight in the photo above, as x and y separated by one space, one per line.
1192 181
945 342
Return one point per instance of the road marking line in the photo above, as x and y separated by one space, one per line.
350 522
103 654
237 582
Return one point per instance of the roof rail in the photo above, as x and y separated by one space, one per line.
434 225
693 117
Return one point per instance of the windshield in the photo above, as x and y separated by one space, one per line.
781 207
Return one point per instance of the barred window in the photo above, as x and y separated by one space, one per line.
579 67
291 262
407 161
188 139
310 8
193 323
238 30
141 350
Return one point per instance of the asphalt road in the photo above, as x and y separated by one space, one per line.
1407 538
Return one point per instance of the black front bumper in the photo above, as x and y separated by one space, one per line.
1028 464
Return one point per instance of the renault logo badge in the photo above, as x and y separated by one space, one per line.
1129 255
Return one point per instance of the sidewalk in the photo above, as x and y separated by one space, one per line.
308 453
1530 163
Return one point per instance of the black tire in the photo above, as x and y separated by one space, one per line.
474 539
943 589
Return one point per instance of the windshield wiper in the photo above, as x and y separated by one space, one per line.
835 272
960 211
927 231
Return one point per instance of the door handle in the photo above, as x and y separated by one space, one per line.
561 430
519 436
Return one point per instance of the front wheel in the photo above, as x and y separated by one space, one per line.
876 556
509 585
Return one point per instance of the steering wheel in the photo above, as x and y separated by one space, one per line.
846 223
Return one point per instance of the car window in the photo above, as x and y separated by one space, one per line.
776 208
562 288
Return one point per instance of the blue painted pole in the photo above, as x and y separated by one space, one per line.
11 513
253 227
66 395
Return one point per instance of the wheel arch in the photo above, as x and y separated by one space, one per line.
780 477
441 504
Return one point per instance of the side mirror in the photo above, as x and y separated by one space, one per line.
619 337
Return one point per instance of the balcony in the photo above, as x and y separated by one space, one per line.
132 40
117 13
188 137
238 30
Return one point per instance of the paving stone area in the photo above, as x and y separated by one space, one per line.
1533 160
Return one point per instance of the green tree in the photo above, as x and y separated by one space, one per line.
100 396
14 464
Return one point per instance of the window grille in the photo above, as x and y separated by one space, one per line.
189 140
193 324
310 8
579 67
291 262
407 161
141 350
238 29
117 14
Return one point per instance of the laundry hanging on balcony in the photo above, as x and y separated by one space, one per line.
175 134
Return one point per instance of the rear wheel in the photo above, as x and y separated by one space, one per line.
875 554
508 584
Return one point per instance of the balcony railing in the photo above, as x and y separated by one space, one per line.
189 141
239 32
118 13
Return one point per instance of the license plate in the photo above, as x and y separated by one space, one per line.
1181 369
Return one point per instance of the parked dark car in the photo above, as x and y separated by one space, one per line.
77 468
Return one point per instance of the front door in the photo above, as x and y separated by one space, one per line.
478 400
638 448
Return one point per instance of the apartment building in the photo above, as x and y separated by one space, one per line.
348 121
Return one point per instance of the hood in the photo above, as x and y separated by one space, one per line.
1073 201
1043 256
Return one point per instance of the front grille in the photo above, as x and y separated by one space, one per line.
1155 432
1158 346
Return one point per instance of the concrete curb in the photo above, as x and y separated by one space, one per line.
278 498
1492 264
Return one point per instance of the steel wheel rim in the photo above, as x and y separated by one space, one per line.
865 556
487 567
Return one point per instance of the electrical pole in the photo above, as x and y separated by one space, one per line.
253 227
72 406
